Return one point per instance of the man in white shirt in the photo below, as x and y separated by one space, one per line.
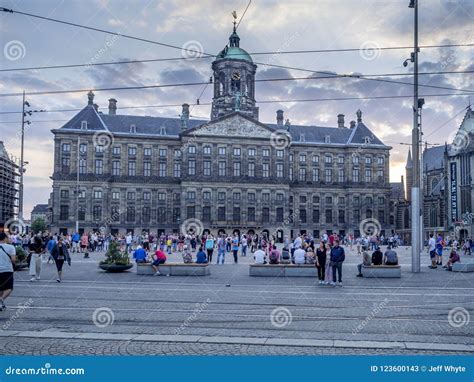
299 256
432 251
7 258
259 256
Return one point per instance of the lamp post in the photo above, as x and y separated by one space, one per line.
22 153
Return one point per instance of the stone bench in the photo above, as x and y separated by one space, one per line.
175 269
382 271
463 267
283 270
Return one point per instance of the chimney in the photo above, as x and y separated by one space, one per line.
280 118
353 124
96 107
359 116
90 98
112 106
340 120
185 116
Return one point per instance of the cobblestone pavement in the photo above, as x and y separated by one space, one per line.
28 346
433 306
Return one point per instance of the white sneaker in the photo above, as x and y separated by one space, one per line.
33 278
38 278
333 283
339 284
157 273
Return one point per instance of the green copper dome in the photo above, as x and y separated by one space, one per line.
233 51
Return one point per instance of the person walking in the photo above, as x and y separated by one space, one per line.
60 254
210 247
37 249
7 258
244 245
337 258
221 247
235 247
321 262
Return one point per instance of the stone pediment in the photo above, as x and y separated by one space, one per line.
234 125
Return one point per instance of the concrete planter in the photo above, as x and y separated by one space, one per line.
115 268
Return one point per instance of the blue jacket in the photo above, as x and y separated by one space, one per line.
201 258
50 245
337 254
139 254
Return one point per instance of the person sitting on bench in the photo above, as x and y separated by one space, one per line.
390 257
159 258
453 258
201 257
377 257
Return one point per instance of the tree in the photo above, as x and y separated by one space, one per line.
38 225
114 256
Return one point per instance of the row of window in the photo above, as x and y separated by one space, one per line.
236 151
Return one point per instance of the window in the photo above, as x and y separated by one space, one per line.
64 212
265 170
66 147
99 149
65 162
177 170
177 153
221 213
206 195
381 214
251 196
131 214
162 196
302 215
191 195
83 125
146 195
380 175
191 149
368 175
82 166
279 170
381 200
266 152
341 217
355 175
176 214
329 216
161 212
206 214
131 195
251 152
162 169
280 153
221 195
222 167
315 216
97 194
356 216
147 169
191 212
83 148
265 215
327 159
290 158
368 160
368 200
328 199
176 197
146 214
266 197
192 167
315 158
279 197
115 195
221 151
133 129
207 150
302 158
302 174
147 152
82 213
290 172
251 214
368 214
237 151
341 200
97 213
116 168
116 150
315 175
327 139
328 175
132 151
340 175
163 153
236 214
251 169
380 160
355 159
99 167
64 193
132 168
340 159
236 168
303 199
356 200
279 214
207 168
315 199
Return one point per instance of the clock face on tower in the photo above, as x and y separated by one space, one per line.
236 76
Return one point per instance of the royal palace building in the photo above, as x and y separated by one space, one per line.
232 173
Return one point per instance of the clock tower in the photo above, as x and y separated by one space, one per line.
234 81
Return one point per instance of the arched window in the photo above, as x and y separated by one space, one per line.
434 182
222 84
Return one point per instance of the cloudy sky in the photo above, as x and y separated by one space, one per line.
268 26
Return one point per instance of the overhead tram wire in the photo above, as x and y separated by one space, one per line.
185 49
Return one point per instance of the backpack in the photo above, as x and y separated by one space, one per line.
285 257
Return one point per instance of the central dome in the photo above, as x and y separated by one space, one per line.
233 51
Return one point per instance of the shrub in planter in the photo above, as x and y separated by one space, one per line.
21 259
115 261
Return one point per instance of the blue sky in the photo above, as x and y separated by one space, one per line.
267 26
